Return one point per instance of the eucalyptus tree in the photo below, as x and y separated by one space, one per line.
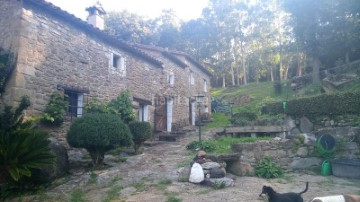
327 31
129 26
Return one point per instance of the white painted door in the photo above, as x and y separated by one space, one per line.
79 111
193 113
169 105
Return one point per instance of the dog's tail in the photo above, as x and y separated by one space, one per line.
306 188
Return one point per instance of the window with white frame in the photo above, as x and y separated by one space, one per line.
171 79
143 112
205 86
191 78
75 103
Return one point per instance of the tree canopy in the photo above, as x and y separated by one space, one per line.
245 41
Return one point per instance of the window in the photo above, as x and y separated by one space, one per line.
171 79
143 113
75 103
191 78
117 64
206 110
205 86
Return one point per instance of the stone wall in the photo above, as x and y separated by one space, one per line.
182 90
291 154
10 23
53 50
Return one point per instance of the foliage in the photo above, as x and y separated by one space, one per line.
203 145
78 195
221 145
11 120
173 199
219 120
98 107
23 150
98 133
5 69
340 103
123 106
219 185
141 131
243 118
267 168
55 111
323 153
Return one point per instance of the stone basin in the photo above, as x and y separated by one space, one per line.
349 168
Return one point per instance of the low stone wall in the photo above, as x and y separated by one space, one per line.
290 154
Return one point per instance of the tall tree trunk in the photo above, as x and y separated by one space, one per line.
232 75
271 74
286 72
237 75
300 64
280 66
316 70
243 64
223 80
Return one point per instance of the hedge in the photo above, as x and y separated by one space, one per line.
334 104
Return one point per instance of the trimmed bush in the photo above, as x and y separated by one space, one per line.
141 131
334 104
98 133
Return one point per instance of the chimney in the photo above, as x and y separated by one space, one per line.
96 16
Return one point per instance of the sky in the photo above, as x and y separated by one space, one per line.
184 9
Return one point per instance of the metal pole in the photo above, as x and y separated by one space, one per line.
199 122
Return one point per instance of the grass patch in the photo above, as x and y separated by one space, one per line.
77 196
223 144
93 178
162 184
173 199
112 194
140 186
219 120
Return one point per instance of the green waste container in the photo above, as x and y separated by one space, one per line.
326 168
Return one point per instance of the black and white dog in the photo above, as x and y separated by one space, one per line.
273 196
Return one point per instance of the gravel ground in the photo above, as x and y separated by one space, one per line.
142 178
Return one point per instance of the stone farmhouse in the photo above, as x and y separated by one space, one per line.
55 51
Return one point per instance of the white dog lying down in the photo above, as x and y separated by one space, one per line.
337 198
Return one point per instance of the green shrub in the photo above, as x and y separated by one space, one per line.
98 107
55 111
123 106
141 131
267 168
11 120
341 103
98 133
207 146
23 150
324 153
219 185
243 118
